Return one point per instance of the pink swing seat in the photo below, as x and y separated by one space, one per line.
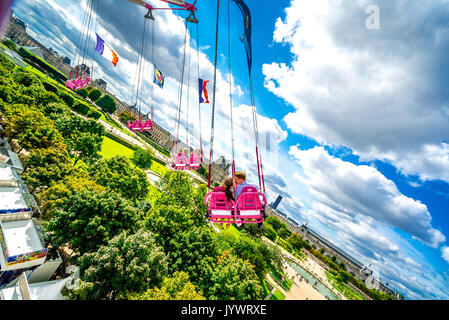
249 207
78 83
219 207
196 161
181 162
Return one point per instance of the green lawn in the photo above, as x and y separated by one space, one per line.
277 295
110 148
287 284
158 168
343 288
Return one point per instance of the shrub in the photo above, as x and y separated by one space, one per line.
107 103
94 114
94 95
67 98
49 87
10 44
81 108
41 64
82 92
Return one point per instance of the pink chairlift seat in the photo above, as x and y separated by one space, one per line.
181 162
196 160
147 126
251 203
219 207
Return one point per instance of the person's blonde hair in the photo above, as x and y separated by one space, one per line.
240 175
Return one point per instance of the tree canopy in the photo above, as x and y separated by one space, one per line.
118 175
142 158
127 263
88 219
107 103
176 287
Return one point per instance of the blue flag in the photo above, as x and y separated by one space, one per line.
246 37
158 77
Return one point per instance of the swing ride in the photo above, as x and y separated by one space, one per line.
250 206
79 76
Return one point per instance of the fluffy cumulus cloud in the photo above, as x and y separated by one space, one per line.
362 191
361 211
379 92
445 253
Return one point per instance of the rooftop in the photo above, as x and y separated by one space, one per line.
8 177
333 247
12 200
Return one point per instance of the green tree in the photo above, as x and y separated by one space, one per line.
274 222
142 158
284 233
117 174
127 263
176 287
233 279
82 92
296 241
55 196
86 220
125 116
84 138
45 166
94 95
270 232
107 103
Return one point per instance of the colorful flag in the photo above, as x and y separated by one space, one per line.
106 52
203 91
158 77
246 37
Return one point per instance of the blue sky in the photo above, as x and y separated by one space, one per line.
358 118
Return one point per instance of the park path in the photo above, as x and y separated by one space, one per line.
311 266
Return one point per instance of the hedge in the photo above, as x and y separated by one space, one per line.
81 108
67 98
53 72
49 87
94 114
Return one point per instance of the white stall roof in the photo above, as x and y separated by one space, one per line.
21 237
11 198
49 290
8 177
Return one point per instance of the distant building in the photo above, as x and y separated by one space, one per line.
36 51
17 32
373 283
276 203
220 170
100 84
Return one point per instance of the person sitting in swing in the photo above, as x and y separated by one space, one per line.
228 185
240 183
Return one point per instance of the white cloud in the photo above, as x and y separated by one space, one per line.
379 93
445 253
362 191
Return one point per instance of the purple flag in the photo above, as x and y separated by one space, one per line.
100 45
